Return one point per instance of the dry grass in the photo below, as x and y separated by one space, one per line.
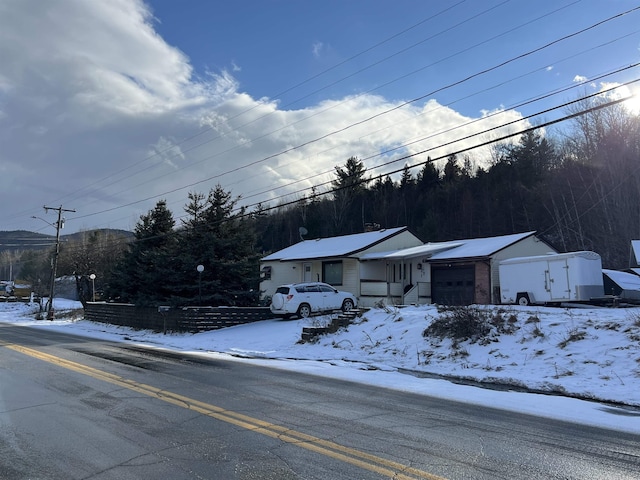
574 335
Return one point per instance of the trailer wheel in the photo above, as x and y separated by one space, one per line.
522 299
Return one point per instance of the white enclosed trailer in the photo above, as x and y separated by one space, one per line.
553 278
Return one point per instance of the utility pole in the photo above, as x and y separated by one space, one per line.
54 264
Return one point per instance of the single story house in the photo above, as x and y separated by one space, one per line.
334 260
394 266
459 272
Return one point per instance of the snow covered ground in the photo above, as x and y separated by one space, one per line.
582 364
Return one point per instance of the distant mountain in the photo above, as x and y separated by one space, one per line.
25 240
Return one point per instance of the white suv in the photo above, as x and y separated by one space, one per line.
303 299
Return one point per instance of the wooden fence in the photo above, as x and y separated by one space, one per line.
163 319
13 298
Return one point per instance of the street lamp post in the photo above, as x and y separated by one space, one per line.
93 286
200 269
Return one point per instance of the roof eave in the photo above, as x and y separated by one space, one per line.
373 244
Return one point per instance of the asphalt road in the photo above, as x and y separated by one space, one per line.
76 408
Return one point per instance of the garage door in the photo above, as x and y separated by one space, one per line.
453 285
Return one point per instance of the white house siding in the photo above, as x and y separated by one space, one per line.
373 275
350 276
281 274
422 279
349 269
404 239
527 247
423 274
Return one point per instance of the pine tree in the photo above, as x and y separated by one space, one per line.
348 199
224 243
145 274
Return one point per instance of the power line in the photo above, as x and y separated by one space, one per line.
467 149
287 90
448 130
287 151
439 146
243 213
358 123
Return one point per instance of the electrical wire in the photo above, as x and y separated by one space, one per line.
277 130
315 195
368 119
287 90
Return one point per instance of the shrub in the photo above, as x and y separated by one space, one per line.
459 324
574 335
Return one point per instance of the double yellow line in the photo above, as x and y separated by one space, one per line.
330 449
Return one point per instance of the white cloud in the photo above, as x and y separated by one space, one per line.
317 48
579 79
89 93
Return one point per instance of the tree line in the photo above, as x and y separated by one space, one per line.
578 188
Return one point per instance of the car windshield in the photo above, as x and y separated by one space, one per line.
283 290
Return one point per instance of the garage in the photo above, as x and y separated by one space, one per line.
453 285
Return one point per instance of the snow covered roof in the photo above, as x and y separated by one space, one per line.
626 281
481 247
470 248
342 246
426 250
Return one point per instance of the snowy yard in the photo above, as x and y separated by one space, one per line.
588 354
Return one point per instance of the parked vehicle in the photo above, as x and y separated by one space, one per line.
304 299
553 278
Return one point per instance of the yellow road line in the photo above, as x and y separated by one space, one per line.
336 451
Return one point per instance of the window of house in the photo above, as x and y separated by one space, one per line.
332 272
265 273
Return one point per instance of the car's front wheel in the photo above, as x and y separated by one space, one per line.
304 311
347 305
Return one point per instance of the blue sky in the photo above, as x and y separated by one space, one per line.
272 46
107 107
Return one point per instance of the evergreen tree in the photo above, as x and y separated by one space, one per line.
452 171
224 243
429 176
579 194
145 274
532 157
348 199
408 196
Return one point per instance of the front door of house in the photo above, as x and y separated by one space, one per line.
306 272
